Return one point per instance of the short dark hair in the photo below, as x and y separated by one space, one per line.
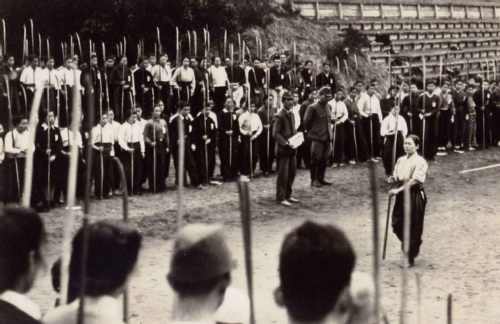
415 139
22 232
316 262
113 250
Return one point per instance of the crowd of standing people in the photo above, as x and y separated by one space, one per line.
236 115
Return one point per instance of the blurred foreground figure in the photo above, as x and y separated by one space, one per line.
22 238
317 283
200 275
113 251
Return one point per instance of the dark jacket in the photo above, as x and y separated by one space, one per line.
317 122
283 129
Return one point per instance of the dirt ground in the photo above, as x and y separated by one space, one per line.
459 255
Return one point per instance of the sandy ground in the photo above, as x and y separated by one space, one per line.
460 252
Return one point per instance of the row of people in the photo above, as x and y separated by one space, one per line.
317 277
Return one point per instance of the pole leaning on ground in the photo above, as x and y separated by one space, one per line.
375 238
246 217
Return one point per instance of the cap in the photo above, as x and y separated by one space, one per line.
200 254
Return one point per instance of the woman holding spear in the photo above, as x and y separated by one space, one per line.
410 170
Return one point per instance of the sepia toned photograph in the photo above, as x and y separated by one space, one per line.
249 161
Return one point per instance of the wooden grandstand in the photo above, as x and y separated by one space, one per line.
462 36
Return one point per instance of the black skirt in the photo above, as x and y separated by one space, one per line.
418 201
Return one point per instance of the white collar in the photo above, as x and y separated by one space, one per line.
23 303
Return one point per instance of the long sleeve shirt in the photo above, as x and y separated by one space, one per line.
184 75
115 129
16 142
218 76
130 133
250 124
33 78
67 77
388 126
103 135
339 111
372 107
411 168
161 73
50 77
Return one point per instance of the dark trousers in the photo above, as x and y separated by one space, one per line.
287 168
388 155
418 201
371 128
304 154
155 163
444 128
248 161
229 157
265 144
428 137
496 123
163 95
14 177
205 159
132 163
338 152
190 167
145 100
356 147
483 123
101 172
122 103
44 174
219 96
320 151
458 127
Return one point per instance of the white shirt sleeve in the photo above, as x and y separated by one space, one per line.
122 134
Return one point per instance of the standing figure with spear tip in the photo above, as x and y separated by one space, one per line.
266 142
229 141
393 130
250 128
157 143
144 87
411 172
121 82
205 130
482 98
102 145
429 103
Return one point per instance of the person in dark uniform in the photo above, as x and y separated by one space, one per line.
307 77
205 134
326 78
190 148
411 170
277 81
458 116
409 107
48 146
304 151
229 141
200 75
91 78
283 130
156 139
427 120
356 143
317 122
121 83
482 98
265 142
143 82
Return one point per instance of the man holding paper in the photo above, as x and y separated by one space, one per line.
287 141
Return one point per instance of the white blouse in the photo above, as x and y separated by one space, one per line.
411 168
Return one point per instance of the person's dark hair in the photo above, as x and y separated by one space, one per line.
199 288
415 139
113 250
316 262
22 232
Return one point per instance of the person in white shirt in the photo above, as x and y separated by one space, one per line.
131 141
162 76
51 84
17 142
32 78
219 83
388 131
250 129
119 245
23 236
184 81
102 145
115 129
371 117
339 117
